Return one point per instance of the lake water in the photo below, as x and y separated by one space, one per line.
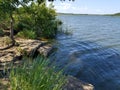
92 53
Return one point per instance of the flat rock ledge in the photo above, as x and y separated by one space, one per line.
25 47
76 84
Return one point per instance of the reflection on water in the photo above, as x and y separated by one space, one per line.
92 53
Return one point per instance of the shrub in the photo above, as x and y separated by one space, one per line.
39 18
45 23
59 22
19 27
28 34
23 22
38 76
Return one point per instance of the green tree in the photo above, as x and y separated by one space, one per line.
8 8
39 18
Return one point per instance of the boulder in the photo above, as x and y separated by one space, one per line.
46 50
76 84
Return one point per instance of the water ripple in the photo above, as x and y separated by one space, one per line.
92 53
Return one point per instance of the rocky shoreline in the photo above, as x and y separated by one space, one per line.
31 48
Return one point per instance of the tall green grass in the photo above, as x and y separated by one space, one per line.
38 75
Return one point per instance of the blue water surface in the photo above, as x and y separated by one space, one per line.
92 53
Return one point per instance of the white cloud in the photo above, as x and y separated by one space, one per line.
63 7
82 9
69 7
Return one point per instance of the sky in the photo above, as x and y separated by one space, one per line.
88 6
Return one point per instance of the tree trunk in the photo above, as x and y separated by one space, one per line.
11 34
11 30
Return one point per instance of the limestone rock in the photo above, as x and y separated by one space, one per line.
45 50
26 47
75 84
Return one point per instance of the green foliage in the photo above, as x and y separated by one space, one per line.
59 22
8 8
1 32
39 75
39 18
4 22
45 23
24 22
35 16
28 34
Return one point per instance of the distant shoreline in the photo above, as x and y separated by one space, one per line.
116 14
